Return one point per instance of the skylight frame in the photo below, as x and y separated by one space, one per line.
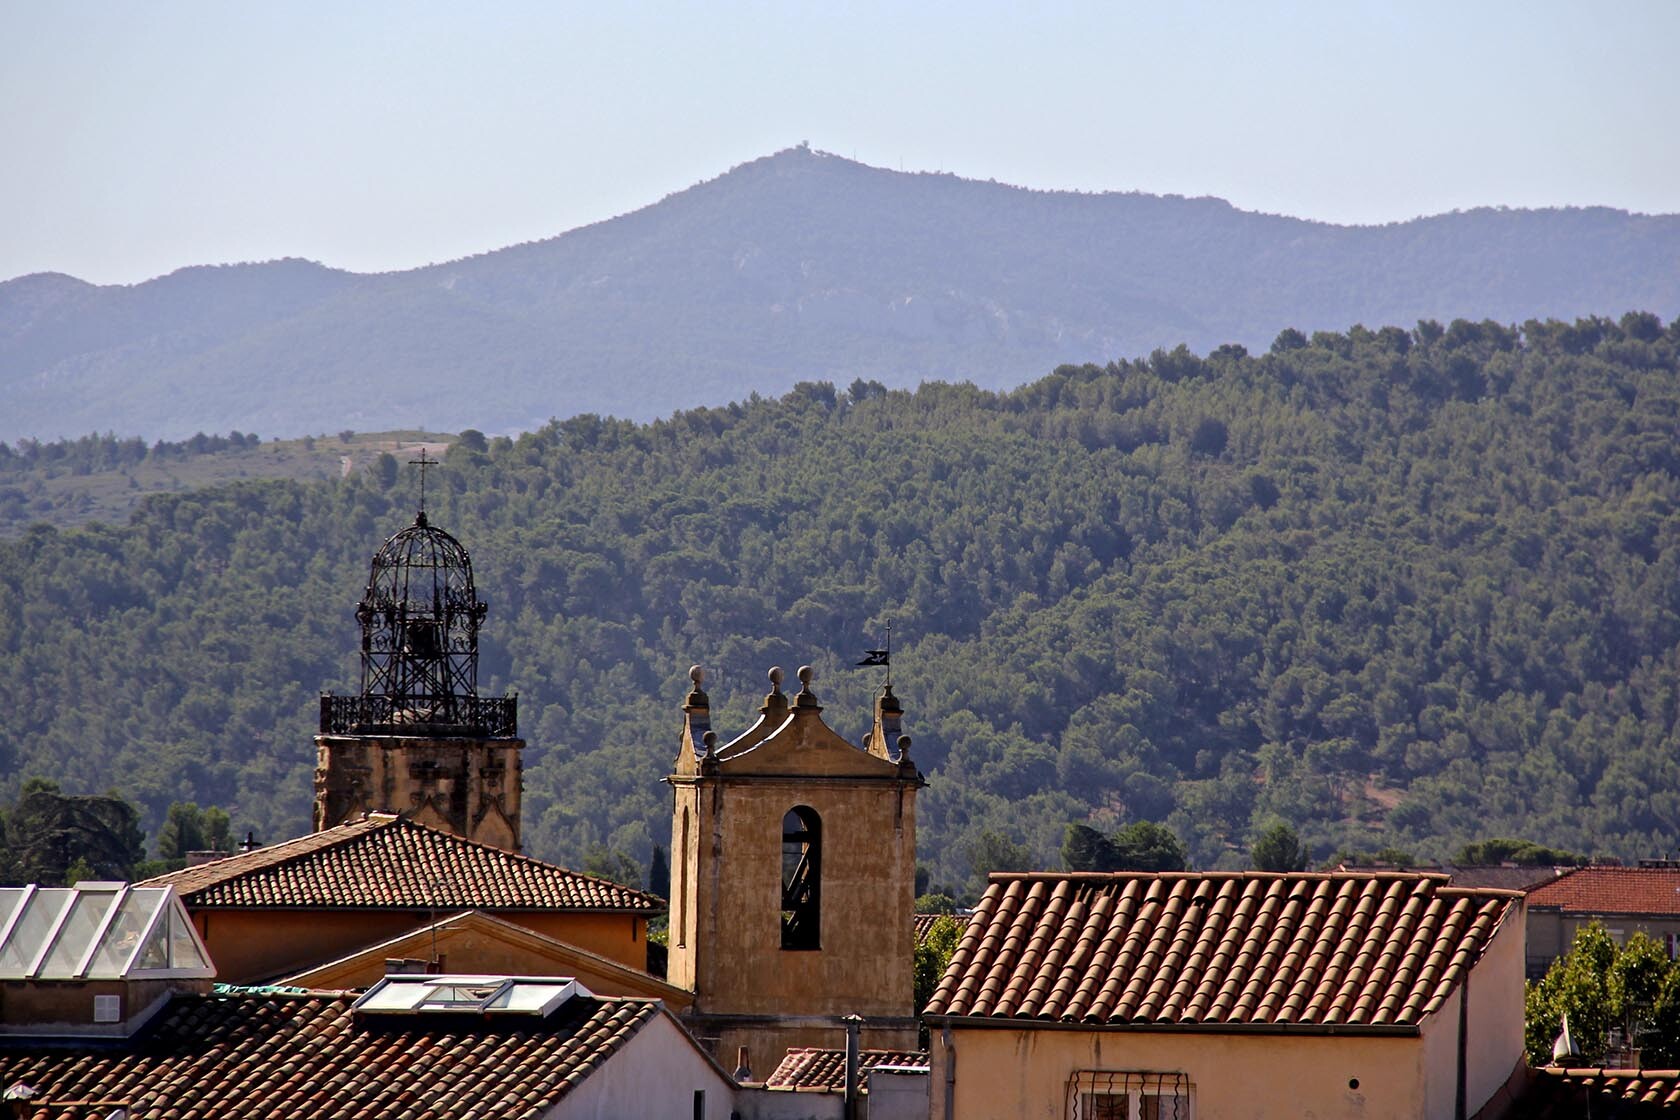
15 918
47 914
98 939
68 894
499 988
160 913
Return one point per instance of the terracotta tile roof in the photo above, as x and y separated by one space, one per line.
809 1067
391 862
923 924
1501 877
279 1055
1372 949
1560 1094
1612 890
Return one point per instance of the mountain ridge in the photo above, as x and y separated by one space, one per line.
796 266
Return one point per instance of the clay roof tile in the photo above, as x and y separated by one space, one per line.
1365 948
391 862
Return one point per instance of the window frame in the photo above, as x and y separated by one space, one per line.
1090 1090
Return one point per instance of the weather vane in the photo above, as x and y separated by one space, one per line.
881 657
422 463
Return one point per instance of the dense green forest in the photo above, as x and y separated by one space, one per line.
1395 588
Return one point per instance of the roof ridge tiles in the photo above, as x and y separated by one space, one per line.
272 855
1219 950
388 861
1441 878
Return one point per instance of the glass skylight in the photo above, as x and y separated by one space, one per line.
97 931
416 994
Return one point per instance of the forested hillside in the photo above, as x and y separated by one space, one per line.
800 265
1395 587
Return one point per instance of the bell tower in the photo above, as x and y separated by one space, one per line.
793 877
418 740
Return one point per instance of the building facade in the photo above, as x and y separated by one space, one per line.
1230 996
793 877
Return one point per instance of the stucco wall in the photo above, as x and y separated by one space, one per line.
65 1007
1025 1074
256 945
730 949
655 1074
1494 1026
789 1104
473 949
618 937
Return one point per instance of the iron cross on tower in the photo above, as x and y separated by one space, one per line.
422 463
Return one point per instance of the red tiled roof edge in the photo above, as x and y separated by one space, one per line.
655 904
1611 890
816 1068
219 873
1012 965
191 880
276 1027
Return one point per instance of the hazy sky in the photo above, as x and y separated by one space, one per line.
138 137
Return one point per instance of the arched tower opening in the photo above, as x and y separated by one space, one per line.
801 878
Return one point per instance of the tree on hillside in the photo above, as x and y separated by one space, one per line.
187 828
1141 846
1086 849
49 832
659 872
1146 846
1525 853
1278 848
993 851
613 865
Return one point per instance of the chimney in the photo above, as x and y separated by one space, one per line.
743 1069
853 1024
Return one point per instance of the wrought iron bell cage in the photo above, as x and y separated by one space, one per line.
419 617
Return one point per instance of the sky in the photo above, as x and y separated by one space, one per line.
137 138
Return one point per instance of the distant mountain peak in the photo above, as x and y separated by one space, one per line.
799 265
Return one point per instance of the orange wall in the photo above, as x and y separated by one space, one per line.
250 946
466 949
1025 1073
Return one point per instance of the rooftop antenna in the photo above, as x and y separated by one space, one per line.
431 907
422 463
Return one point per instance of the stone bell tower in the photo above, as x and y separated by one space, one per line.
419 740
793 877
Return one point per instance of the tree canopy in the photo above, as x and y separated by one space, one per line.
1617 999
1279 848
1425 590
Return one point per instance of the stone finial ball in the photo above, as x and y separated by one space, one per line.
805 675
709 739
904 744
697 675
776 677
